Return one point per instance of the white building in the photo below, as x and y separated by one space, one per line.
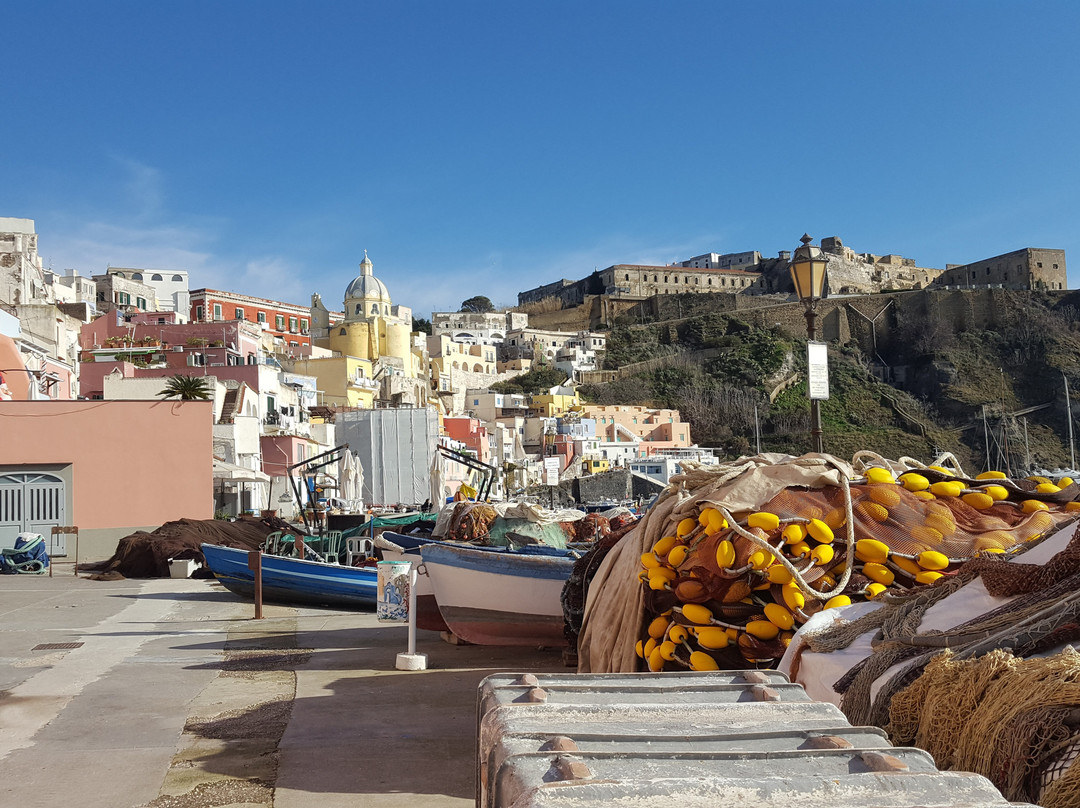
476 328
666 463
170 286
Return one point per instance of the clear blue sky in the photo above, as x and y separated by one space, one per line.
486 148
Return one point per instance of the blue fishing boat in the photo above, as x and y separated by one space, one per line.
294 580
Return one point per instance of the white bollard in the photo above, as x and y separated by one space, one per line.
410 660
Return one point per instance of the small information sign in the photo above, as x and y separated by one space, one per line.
817 362
551 470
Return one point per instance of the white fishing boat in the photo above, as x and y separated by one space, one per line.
499 598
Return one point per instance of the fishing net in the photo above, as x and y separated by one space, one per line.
731 560
1013 720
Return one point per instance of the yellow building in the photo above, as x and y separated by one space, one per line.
557 401
343 380
376 331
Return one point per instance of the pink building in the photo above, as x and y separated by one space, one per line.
108 467
228 350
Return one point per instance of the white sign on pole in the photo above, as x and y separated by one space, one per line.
551 470
817 363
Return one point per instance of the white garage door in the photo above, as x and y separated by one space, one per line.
32 503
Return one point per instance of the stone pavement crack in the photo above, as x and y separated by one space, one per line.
228 752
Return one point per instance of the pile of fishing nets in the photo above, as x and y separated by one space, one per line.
504 524
146 555
1012 720
731 560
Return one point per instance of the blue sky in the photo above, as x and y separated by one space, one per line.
489 147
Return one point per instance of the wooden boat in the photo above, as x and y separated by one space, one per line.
498 598
294 580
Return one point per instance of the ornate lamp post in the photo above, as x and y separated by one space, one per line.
808 275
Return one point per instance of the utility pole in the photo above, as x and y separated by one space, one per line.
1068 419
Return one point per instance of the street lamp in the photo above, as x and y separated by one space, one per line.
808 275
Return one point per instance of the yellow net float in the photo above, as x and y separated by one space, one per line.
667 650
696 613
663 547
1038 478
835 518
886 495
725 554
945 525
649 561
700 661
793 597
947 488
871 550
1032 505
875 475
779 616
678 634
658 627
906 564
1065 482
678 555
656 660
873 511
820 531
839 600
685 527
800 550
914 482
762 629
979 500
924 495
1072 506
764 520
778 574
878 573
794 533
926 535
760 559
712 520
1047 488
927 577
639 649
713 637
932 560
992 475
874 589
650 646
822 554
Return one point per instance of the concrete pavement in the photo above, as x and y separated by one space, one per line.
177 697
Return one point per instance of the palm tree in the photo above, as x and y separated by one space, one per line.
186 388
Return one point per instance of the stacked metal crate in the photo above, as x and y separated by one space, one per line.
735 738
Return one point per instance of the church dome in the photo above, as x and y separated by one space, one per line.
366 295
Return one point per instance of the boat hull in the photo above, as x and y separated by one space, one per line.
292 580
499 598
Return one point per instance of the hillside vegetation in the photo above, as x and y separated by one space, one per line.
725 375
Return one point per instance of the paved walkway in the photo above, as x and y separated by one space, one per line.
177 697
